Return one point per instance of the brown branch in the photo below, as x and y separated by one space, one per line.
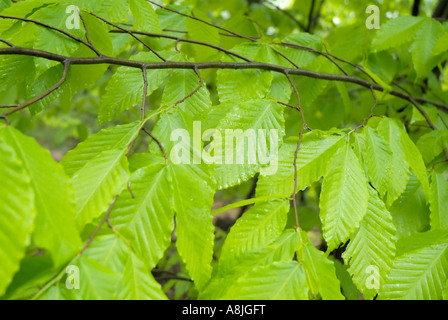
87 44
370 115
7 43
66 64
145 91
296 153
214 65
158 142
310 16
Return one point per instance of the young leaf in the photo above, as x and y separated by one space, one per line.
378 159
438 201
193 193
257 228
321 272
238 85
17 214
313 160
410 212
391 133
147 218
137 283
144 15
55 228
396 32
125 88
420 269
278 281
107 139
97 183
372 245
344 197
246 137
423 45
97 282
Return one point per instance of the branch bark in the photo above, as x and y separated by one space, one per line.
214 65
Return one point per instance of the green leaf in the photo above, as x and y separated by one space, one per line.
137 283
410 212
113 10
420 269
144 15
109 250
372 246
278 281
445 292
148 219
431 144
396 32
281 250
55 228
193 193
238 85
45 81
257 228
117 137
180 85
415 160
313 160
392 134
202 32
15 70
378 158
438 201
250 135
320 271
381 66
344 197
17 214
423 45
5 4
97 183
96 282
51 41
125 88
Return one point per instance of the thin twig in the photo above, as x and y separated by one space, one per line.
66 64
90 46
158 142
105 219
178 39
310 16
145 91
215 65
201 83
296 153
7 43
131 34
86 31
203 21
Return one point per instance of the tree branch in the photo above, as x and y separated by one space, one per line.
66 64
214 65
87 44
